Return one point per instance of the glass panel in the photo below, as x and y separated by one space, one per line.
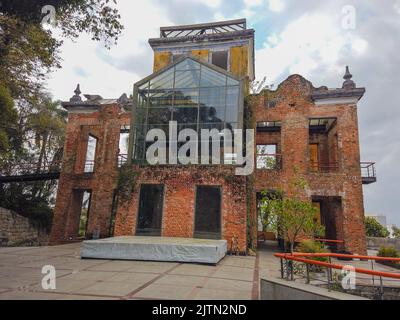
208 213
143 90
232 104
187 64
187 79
159 116
150 210
211 78
185 115
161 98
210 126
186 97
212 105
232 82
163 81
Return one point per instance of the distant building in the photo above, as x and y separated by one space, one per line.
380 218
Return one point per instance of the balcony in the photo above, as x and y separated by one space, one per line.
368 172
89 166
122 159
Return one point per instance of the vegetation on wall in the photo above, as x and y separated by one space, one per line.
126 182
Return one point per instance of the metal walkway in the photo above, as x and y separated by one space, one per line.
27 172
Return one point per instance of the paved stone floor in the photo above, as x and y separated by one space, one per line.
233 278
20 277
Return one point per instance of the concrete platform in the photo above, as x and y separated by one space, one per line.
156 249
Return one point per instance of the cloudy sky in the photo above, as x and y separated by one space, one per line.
311 37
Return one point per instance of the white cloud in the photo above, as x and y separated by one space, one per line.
276 5
304 45
397 6
253 3
209 3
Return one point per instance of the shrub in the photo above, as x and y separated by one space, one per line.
396 232
309 246
389 252
374 229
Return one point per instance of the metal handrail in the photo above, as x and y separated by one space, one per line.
302 258
32 168
122 159
297 257
368 169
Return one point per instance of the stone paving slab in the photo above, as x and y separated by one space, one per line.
20 277
213 294
170 292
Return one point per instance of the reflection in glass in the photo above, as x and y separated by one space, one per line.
193 95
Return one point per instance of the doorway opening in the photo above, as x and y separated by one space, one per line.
81 212
330 215
150 210
208 213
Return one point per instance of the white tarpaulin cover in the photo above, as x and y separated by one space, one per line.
156 249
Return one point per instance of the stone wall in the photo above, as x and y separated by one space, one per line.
16 230
376 243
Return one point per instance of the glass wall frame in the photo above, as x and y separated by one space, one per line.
194 94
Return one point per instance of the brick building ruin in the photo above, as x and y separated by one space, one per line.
200 80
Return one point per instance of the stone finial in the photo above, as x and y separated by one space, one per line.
123 99
348 84
76 97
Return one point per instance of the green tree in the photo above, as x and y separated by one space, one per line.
396 232
41 132
28 52
31 124
375 229
8 119
292 217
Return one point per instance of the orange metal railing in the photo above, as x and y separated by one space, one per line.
306 258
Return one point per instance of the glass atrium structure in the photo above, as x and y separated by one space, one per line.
194 94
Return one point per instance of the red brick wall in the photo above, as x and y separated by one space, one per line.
179 201
105 126
294 108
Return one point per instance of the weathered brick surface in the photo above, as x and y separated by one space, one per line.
294 108
105 125
179 201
